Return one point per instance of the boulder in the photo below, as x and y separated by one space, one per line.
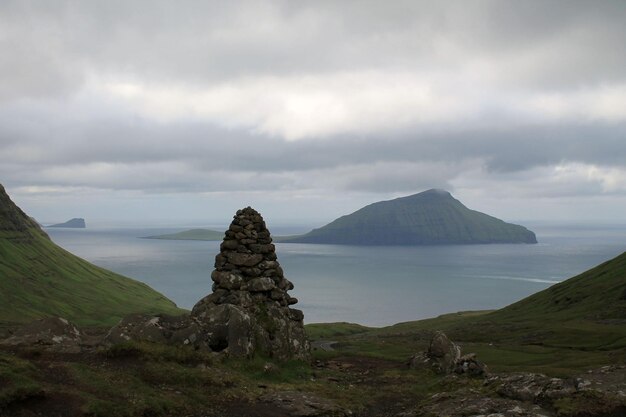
52 333
138 327
444 356
261 284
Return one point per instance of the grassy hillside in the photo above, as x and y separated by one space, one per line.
598 294
192 234
433 217
571 326
38 278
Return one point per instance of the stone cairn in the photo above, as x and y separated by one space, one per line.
248 311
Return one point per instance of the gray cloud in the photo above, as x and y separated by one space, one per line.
49 48
322 98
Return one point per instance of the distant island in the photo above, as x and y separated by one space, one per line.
432 217
192 234
75 223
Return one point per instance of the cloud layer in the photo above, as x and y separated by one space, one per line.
313 101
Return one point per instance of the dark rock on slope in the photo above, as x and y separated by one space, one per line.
432 217
15 225
75 223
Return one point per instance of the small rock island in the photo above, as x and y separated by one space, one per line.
75 223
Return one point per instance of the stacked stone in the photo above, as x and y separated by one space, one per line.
247 269
248 311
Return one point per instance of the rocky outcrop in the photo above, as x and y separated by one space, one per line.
249 310
53 334
15 225
302 404
444 356
597 393
467 403
531 387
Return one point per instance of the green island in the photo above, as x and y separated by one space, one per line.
560 352
191 234
431 217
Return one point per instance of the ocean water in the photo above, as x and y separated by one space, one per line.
373 286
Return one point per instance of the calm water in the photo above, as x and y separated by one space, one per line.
369 285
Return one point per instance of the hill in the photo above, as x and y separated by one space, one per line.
191 234
573 325
75 223
598 294
38 279
432 217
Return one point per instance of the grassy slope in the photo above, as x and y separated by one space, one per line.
573 325
192 234
431 217
38 278
597 294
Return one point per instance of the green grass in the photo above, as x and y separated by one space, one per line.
18 380
148 351
38 279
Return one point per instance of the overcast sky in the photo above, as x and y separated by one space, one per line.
160 112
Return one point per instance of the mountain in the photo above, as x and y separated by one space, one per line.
75 223
191 234
39 279
432 217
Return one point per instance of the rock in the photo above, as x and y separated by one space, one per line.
261 284
303 404
244 259
229 244
53 333
531 387
296 315
466 403
468 364
227 280
227 327
138 327
444 356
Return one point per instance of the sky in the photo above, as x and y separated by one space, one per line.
179 113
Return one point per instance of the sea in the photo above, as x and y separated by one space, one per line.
371 285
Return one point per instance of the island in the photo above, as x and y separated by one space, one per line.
432 217
192 234
75 223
